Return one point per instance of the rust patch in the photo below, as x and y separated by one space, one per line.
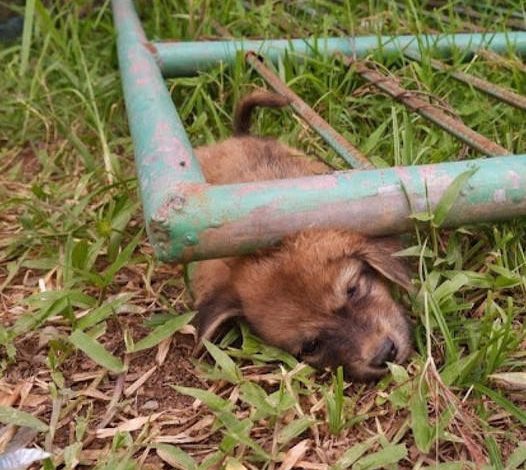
150 47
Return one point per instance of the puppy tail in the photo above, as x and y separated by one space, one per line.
247 104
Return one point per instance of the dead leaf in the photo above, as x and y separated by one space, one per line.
8 395
190 435
162 351
130 425
234 464
295 454
139 382
510 380
93 393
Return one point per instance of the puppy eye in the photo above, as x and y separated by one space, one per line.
351 292
310 347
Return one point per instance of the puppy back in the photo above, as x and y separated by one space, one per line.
261 98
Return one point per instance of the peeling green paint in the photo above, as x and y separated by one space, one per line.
188 219
371 201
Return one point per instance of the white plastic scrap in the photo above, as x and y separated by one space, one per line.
20 459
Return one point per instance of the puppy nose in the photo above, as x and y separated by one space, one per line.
386 353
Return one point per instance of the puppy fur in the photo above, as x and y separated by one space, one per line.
322 295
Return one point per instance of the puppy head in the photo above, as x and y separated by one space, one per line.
323 296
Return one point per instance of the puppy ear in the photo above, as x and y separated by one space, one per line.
378 253
216 309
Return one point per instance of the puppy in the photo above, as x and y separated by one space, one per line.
322 295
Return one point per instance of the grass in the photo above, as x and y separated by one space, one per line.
95 337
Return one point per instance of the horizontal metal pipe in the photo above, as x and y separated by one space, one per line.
215 221
491 89
342 146
186 58
432 113
163 153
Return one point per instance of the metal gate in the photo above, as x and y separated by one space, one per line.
188 219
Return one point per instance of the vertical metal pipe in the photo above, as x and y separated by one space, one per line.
450 124
345 149
163 153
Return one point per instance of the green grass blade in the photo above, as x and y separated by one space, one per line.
517 458
450 196
458 369
96 352
294 429
103 312
253 394
210 399
230 370
387 456
123 258
422 429
240 432
163 331
510 407
353 454
495 456
9 415
29 17
175 457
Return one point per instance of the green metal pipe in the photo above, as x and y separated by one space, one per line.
188 219
215 221
186 58
163 153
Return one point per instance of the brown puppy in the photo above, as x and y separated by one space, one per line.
321 295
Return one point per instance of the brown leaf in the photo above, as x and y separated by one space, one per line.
295 454
129 425
139 382
510 380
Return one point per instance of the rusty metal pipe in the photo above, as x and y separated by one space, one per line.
509 63
344 148
496 91
450 124
471 13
